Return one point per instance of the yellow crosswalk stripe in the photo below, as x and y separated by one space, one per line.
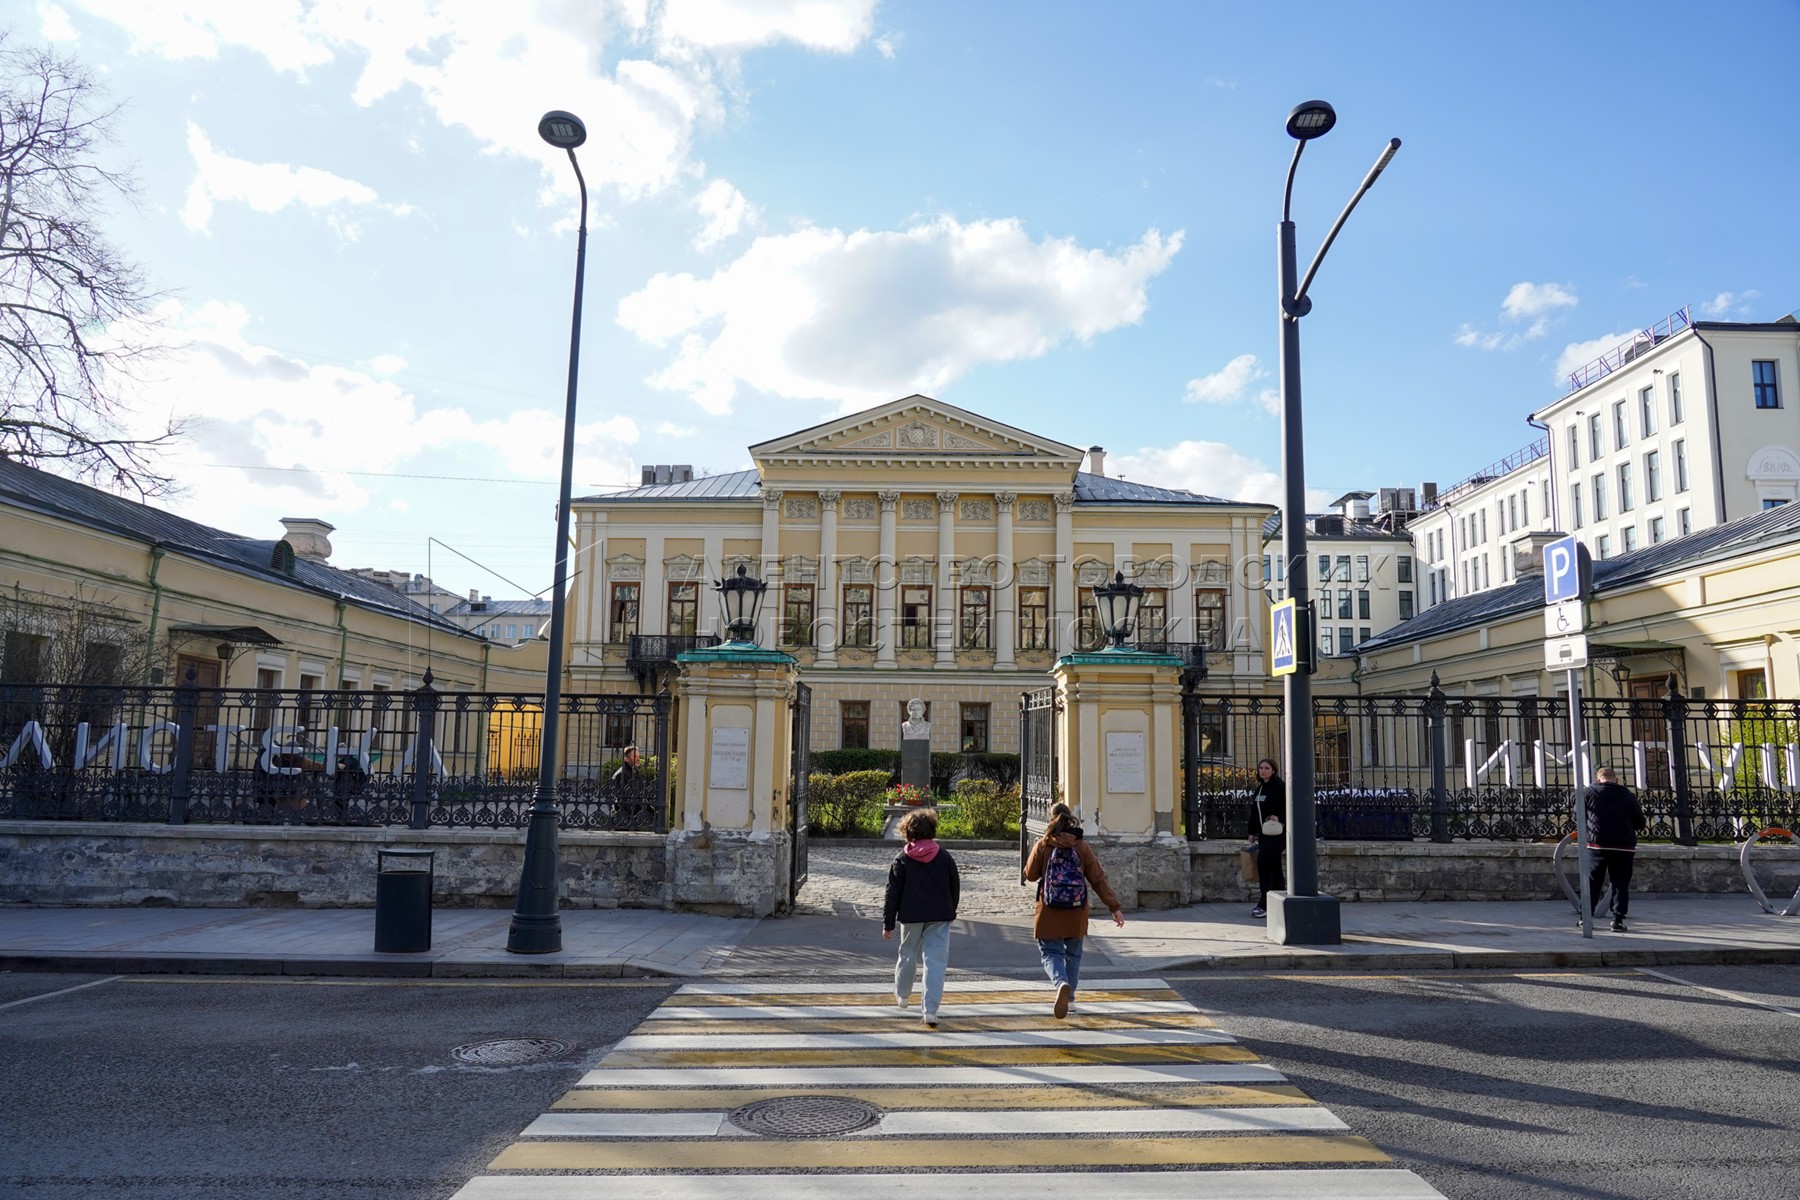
903 1099
984 1024
954 1056
934 1153
951 999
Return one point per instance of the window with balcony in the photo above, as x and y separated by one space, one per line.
859 615
1647 410
973 629
684 609
915 618
622 613
1209 617
1034 618
853 725
797 614
1763 381
974 729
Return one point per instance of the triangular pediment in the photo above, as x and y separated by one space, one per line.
915 427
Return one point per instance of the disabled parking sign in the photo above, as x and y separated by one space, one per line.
1284 657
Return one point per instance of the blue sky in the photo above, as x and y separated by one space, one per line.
1059 214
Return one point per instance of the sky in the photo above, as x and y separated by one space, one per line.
1060 215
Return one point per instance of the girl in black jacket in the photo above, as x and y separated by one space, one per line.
922 892
1268 813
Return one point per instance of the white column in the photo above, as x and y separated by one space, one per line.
770 555
945 634
825 605
1065 573
887 583
1007 591
653 613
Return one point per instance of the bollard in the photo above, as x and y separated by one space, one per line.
403 881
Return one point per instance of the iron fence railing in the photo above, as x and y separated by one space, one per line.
423 758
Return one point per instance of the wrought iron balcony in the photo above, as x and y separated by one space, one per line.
647 653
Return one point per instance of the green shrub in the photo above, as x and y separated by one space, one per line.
843 762
987 808
840 805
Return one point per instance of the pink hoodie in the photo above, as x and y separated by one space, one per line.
922 851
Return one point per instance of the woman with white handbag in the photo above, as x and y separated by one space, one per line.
1268 830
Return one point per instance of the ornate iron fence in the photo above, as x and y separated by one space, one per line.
1038 787
423 758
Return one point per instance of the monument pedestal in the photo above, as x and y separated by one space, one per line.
915 763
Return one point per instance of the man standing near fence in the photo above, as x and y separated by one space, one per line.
1614 817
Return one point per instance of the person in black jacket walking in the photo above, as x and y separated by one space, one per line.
1268 831
1614 817
922 893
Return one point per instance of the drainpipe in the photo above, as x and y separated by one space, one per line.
487 650
156 557
1712 418
343 638
1549 453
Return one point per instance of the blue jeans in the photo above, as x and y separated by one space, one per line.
1062 960
932 940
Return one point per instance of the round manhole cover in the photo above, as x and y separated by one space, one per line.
511 1052
805 1116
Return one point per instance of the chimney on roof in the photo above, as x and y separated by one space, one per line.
309 537
1097 460
1427 495
1528 551
648 476
474 595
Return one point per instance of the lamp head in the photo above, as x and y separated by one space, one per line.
1312 119
563 130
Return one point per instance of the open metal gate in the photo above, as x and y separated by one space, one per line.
1037 765
798 816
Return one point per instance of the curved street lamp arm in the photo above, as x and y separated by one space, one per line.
581 182
1287 193
1375 171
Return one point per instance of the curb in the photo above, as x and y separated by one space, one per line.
342 968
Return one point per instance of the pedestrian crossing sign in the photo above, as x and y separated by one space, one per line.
1284 657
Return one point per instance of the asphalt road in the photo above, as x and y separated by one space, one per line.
176 1087
1614 1085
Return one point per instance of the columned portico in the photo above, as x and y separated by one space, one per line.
1006 595
770 556
826 606
887 584
945 635
1064 567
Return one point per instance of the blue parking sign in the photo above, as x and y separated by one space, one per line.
1568 571
1284 656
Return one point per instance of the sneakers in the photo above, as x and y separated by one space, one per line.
1618 925
1064 994
930 1020
899 1000
1259 911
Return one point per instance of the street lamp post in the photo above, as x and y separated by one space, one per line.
1301 916
536 923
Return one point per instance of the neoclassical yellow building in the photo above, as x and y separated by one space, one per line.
913 550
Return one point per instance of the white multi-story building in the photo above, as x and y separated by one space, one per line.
1468 536
1360 567
1688 425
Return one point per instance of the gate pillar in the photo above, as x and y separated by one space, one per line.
729 849
1119 736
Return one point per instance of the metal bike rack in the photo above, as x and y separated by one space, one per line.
1573 891
1793 906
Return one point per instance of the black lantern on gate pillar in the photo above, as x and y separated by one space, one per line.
1117 605
740 598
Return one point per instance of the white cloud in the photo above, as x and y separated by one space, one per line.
269 187
864 317
54 24
387 364
739 24
726 211
672 430
1578 354
1729 304
1227 384
1210 468
1535 302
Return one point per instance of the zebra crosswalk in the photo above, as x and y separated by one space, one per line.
761 1091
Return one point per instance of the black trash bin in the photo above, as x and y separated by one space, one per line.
403 880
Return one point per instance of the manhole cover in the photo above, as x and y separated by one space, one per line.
805 1116
510 1052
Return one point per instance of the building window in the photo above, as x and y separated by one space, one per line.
1595 446
1346 640
1087 623
1343 610
1621 435
1768 392
684 609
1362 604
859 614
974 729
1406 604
1324 568
1656 530
1652 477
797 614
915 618
1153 617
1647 410
1575 505
1484 526
1600 497
1403 568
512 630
1750 685
622 621
1683 526
1674 399
1326 645
1034 618
1362 568
1574 446
1681 479
1343 568
1602 546
853 727
1628 539
1512 510
973 631
1772 502
1362 634
1625 487
1209 617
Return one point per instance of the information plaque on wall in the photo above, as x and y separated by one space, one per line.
1125 762
729 766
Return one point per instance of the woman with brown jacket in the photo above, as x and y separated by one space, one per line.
1064 867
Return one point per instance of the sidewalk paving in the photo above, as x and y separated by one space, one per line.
471 943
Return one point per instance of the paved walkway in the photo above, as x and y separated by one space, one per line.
837 934
751 1089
